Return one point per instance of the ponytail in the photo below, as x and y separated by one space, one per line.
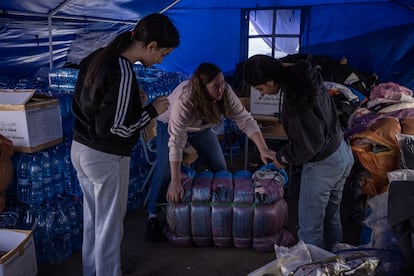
154 27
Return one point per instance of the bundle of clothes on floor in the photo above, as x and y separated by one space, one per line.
238 209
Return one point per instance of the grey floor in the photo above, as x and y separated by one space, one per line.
145 258
140 257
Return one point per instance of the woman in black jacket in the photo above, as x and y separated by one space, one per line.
108 115
316 142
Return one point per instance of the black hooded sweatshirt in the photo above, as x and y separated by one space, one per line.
313 134
109 114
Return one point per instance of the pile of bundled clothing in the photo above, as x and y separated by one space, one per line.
382 137
225 209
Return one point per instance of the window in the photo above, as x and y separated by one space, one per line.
273 32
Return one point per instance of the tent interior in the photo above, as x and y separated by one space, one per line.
374 36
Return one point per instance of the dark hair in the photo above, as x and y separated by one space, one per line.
203 106
298 82
260 69
154 27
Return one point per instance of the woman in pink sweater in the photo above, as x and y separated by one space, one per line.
196 107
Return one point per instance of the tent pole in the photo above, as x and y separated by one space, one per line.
76 18
49 27
170 6
19 13
95 19
49 23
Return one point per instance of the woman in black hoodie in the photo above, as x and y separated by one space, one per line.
316 142
108 117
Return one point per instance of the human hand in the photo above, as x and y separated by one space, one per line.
267 156
175 192
161 104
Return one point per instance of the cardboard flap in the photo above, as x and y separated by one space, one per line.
16 97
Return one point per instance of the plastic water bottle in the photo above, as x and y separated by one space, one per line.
29 218
48 184
142 161
9 219
134 181
71 184
22 177
67 122
43 243
35 177
72 187
75 219
57 170
61 234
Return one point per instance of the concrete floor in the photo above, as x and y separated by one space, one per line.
140 257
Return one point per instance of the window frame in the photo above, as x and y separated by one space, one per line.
245 36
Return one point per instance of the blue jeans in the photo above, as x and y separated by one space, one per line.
320 198
208 149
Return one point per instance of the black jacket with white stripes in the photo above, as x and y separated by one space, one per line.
109 114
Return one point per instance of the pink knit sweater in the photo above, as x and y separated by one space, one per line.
180 118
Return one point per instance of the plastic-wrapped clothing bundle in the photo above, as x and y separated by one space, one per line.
178 215
390 90
377 150
222 211
242 211
231 209
201 209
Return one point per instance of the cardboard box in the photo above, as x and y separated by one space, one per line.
18 255
31 123
264 105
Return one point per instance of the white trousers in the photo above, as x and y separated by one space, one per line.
104 181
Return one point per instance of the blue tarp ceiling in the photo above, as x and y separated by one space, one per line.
375 36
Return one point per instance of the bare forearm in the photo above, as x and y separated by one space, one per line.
175 191
259 140
175 171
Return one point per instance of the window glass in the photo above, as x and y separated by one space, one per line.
258 46
261 22
288 22
286 45
274 32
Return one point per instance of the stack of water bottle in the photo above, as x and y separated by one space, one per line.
63 78
62 83
155 82
23 82
45 196
142 160
48 189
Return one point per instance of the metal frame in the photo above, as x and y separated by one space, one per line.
53 15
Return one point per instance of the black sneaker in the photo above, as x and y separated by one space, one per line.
154 230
